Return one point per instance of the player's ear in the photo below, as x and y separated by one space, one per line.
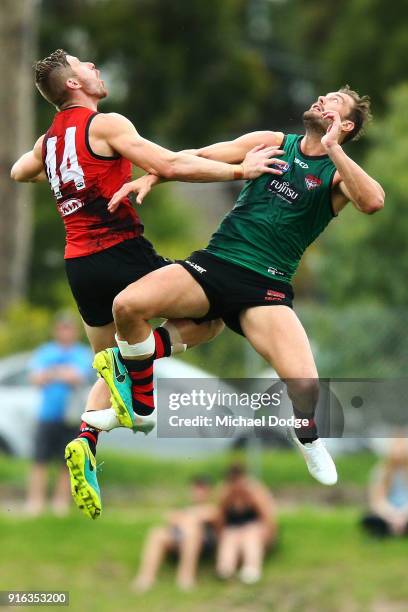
72 83
347 125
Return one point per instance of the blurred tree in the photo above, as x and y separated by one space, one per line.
363 42
183 72
365 257
18 36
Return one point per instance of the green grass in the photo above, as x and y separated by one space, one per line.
323 563
277 468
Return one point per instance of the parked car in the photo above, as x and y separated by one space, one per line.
19 400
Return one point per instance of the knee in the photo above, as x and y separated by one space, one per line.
127 305
215 327
158 535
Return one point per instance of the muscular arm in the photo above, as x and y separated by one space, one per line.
234 151
353 184
29 167
230 152
122 137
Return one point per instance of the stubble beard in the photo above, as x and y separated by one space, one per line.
314 123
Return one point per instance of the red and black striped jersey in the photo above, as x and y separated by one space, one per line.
83 183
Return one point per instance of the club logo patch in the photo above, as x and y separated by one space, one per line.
312 181
284 167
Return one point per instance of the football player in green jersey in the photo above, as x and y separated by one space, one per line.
251 258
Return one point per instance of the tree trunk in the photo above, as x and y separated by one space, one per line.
18 43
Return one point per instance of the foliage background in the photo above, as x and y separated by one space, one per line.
190 73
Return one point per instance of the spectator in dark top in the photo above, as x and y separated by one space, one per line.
248 526
388 494
58 368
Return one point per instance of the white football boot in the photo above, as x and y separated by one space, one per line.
318 460
106 420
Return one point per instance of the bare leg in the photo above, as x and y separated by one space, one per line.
190 547
62 493
253 548
186 332
228 552
37 489
276 334
170 292
158 542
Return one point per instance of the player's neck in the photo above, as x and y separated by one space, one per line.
311 144
84 101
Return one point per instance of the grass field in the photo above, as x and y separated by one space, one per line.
323 562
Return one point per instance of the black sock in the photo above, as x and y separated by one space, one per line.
91 434
141 373
307 433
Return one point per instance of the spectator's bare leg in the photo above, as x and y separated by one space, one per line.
190 548
37 489
62 493
228 552
158 543
253 547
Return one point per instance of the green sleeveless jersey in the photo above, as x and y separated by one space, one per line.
276 217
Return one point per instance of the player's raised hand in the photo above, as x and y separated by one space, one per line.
333 133
262 159
140 186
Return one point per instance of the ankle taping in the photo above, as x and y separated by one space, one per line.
140 349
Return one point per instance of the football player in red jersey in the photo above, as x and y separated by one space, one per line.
86 157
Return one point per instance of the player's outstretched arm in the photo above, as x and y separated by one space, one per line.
234 151
123 138
231 152
29 167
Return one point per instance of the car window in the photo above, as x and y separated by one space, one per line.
19 378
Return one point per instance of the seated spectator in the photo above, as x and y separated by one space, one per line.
248 526
388 494
188 534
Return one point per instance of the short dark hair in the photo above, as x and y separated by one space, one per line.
360 114
234 472
51 74
201 480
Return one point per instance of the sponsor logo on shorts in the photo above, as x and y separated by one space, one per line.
275 271
70 206
274 296
196 266
312 181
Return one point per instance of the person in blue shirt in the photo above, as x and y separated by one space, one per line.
59 368
388 493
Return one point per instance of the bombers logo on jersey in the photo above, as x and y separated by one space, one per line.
312 181
69 206
282 167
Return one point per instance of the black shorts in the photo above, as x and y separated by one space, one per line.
208 544
50 441
96 279
230 288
